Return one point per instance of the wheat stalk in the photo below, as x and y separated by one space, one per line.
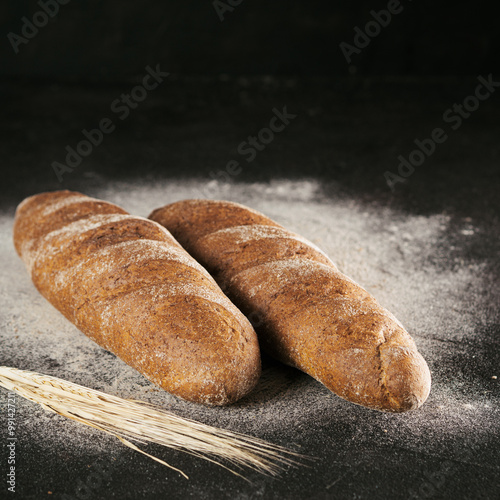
135 420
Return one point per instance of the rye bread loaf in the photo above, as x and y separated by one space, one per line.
127 284
306 312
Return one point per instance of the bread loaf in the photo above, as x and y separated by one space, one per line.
306 312
127 284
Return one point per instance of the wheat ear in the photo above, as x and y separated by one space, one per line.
138 421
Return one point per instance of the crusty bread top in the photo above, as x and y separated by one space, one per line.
205 217
131 287
307 313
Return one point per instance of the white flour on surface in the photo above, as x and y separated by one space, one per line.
405 261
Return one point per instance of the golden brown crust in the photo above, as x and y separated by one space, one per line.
307 313
204 217
127 284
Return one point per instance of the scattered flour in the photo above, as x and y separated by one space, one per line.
416 266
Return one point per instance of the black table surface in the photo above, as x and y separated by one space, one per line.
320 176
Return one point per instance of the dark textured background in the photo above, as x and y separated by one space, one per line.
353 120
109 40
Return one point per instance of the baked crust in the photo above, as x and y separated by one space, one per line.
127 284
306 312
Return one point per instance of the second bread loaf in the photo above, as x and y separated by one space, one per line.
307 313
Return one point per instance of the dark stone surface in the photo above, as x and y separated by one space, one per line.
347 133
